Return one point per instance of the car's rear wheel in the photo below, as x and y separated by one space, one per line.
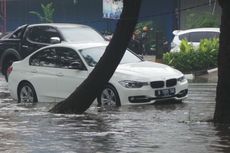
27 93
109 97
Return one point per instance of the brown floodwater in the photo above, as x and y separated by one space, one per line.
158 128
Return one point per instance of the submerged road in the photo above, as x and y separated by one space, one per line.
158 128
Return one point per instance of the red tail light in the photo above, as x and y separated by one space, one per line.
9 70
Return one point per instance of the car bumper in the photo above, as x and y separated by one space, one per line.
148 95
145 99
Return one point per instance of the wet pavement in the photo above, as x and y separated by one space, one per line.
157 128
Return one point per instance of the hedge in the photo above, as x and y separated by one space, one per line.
189 58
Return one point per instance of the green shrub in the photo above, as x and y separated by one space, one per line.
48 13
190 59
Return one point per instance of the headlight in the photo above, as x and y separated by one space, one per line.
181 79
132 84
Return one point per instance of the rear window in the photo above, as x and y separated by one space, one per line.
81 34
184 36
198 36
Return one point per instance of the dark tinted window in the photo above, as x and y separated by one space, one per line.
184 36
198 36
42 34
67 57
93 55
45 58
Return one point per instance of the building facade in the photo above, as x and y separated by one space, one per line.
192 11
162 17
88 12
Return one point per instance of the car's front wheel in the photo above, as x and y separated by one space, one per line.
109 97
27 93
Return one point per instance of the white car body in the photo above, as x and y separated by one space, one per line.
193 36
56 84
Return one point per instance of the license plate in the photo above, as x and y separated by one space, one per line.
165 92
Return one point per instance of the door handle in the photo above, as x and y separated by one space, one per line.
24 46
34 71
60 74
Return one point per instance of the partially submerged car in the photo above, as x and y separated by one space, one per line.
52 73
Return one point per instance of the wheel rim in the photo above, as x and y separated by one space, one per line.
26 95
108 97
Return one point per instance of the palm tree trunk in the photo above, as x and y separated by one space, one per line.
222 110
81 99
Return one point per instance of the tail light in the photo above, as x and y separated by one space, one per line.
9 70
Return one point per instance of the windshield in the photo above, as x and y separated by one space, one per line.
81 34
93 55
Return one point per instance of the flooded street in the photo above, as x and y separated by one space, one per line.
158 128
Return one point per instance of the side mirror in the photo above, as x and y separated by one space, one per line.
76 65
55 40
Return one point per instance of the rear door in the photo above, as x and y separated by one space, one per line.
43 74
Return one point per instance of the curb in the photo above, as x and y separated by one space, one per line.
200 73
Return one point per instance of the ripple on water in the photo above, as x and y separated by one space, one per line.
168 128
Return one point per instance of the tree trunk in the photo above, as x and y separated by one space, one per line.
81 99
222 111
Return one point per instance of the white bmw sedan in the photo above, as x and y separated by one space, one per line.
52 73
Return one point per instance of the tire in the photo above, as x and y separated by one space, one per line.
26 93
109 97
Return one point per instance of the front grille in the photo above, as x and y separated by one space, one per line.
157 84
171 82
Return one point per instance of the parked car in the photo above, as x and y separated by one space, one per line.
27 38
52 73
193 36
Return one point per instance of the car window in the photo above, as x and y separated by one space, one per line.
184 36
17 34
210 35
42 34
198 36
66 57
80 34
44 58
93 55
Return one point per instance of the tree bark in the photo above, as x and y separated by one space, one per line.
222 110
84 95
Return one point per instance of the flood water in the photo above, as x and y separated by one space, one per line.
158 128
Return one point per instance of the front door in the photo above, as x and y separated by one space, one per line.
68 76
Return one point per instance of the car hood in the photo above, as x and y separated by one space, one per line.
146 70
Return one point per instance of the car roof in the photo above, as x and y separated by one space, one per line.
59 25
76 46
79 46
179 32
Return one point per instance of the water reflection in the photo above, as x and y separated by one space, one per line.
222 144
161 128
211 77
